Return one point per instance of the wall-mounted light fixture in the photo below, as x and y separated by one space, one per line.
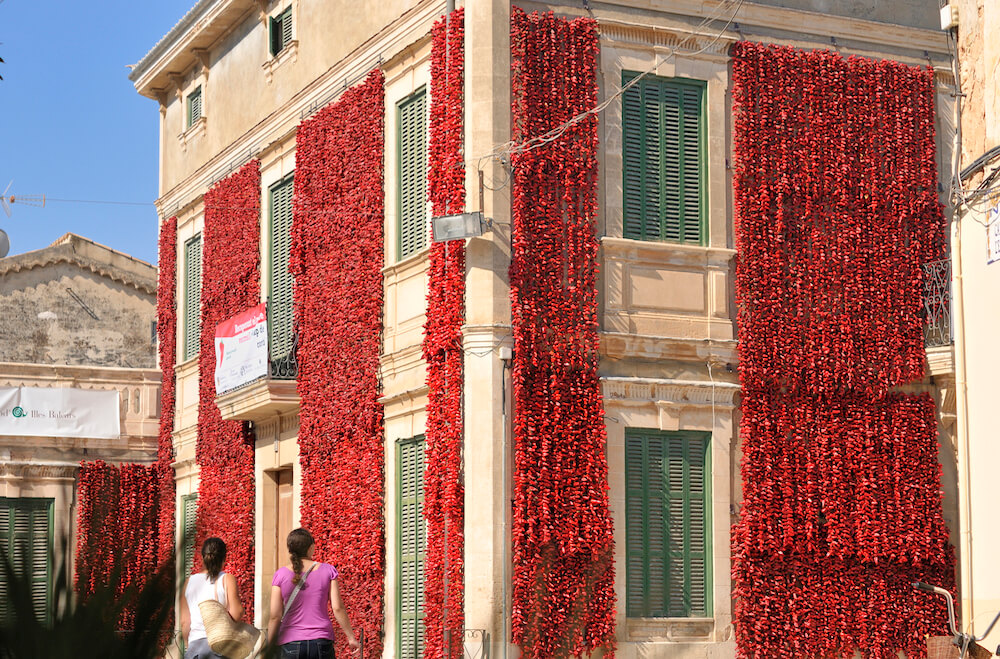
458 227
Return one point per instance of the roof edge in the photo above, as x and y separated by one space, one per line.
171 37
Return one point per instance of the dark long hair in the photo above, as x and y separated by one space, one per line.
299 542
213 555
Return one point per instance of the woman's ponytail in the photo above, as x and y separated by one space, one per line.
299 542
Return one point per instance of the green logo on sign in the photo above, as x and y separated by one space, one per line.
18 412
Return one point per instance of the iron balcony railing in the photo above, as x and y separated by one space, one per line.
937 303
283 366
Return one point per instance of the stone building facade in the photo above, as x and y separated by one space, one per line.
668 360
76 315
975 261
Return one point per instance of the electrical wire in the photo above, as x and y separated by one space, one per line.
101 201
505 151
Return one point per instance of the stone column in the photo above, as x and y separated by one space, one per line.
487 507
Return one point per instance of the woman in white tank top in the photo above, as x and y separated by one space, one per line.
212 583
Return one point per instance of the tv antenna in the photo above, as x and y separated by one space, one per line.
28 200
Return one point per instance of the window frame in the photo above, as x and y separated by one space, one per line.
195 100
188 547
288 180
421 556
32 504
657 229
192 330
280 27
693 443
421 232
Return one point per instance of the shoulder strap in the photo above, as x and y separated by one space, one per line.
295 591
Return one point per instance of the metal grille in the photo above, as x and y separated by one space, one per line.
287 367
937 303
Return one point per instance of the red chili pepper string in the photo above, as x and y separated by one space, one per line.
444 493
562 536
836 209
225 449
336 259
117 531
166 328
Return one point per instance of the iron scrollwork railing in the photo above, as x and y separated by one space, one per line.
475 644
286 367
937 303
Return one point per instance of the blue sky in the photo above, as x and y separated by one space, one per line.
72 125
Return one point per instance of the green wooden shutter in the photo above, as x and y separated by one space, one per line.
189 514
192 297
280 29
286 27
668 562
412 549
274 34
280 294
663 159
25 538
412 173
194 107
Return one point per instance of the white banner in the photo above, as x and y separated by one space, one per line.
241 349
59 412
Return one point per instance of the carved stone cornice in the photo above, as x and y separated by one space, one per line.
679 392
620 346
678 39
39 471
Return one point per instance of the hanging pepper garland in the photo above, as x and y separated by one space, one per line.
563 542
225 449
444 492
166 329
836 211
117 531
336 259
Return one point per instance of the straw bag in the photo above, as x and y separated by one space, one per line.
235 640
943 647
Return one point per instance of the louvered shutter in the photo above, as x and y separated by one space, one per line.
5 535
192 297
280 293
662 162
194 107
633 161
636 533
696 551
666 545
189 512
412 548
691 163
274 26
25 538
412 174
286 27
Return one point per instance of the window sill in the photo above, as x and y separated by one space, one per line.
289 53
195 130
678 630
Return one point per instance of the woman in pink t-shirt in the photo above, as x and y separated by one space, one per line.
305 630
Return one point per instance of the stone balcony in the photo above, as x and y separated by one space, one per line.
259 400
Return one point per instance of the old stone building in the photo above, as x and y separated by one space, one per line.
975 261
78 381
237 83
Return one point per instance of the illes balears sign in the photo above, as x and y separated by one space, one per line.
59 412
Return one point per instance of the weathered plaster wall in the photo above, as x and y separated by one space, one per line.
109 322
911 13
979 61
